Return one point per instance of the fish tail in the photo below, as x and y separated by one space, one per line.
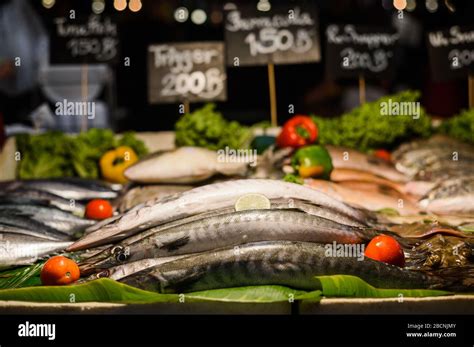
456 279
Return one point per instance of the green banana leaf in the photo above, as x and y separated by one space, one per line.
352 286
107 290
21 277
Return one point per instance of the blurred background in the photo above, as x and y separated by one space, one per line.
26 26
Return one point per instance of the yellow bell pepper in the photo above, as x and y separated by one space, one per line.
114 163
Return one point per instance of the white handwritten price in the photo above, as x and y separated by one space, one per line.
102 49
376 62
271 40
460 58
207 84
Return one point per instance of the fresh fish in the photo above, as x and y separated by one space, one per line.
39 197
142 194
426 229
121 271
183 165
372 197
351 175
27 226
68 188
292 264
447 252
50 216
434 159
454 196
232 229
298 204
205 199
345 158
24 250
434 142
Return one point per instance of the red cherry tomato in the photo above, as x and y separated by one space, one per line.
385 249
383 154
59 271
99 209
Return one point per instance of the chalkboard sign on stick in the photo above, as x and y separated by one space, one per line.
284 35
354 51
84 41
191 72
451 52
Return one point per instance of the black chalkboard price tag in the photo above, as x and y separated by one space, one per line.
193 71
451 52
84 41
283 35
355 51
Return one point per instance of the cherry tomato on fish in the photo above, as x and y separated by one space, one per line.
59 271
99 209
385 249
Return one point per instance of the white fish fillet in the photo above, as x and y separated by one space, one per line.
183 165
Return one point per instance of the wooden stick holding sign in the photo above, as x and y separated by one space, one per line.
84 93
362 90
186 106
292 39
272 90
470 82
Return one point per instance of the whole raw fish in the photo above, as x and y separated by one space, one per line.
205 199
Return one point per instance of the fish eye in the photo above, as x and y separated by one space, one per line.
121 256
104 273
116 249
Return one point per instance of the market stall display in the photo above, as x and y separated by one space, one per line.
374 202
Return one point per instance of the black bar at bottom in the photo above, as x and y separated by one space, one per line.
210 329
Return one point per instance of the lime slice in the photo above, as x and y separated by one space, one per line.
252 202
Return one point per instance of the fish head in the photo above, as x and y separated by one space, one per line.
113 256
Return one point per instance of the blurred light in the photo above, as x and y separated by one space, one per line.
48 3
135 5
198 16
431 5
450 6
216 17
400 4
98 6
229 6
264 5
181 14
411 5
120 5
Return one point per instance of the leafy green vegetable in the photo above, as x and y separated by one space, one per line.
293 179
107 290
365 128
460 127
206 127
21 277
352 286
55 154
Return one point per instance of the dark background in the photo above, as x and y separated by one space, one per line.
304 85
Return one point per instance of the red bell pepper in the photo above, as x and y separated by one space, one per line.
298 132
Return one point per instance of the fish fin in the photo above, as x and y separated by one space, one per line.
175 244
